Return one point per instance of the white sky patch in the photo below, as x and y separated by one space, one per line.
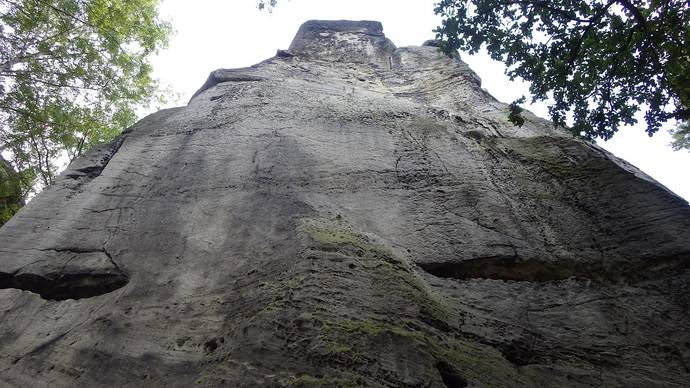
213 34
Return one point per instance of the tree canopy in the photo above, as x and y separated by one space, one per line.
72 73
681 137
600 61
11 193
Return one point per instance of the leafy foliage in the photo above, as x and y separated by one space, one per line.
599 60
515 115
13 187
266 4
72 73
681 137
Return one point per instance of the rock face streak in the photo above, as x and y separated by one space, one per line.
347 213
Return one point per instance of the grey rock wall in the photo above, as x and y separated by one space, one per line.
347 213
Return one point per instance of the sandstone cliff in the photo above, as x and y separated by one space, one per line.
347 213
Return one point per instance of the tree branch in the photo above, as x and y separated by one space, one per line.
594 21
547 5
635 11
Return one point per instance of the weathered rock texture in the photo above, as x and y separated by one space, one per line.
347 213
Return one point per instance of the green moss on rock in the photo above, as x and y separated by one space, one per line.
375 301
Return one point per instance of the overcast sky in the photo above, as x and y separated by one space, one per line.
212 34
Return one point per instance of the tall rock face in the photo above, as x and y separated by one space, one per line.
347 213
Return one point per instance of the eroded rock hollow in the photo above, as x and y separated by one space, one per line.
347 213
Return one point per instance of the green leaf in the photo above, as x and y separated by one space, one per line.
600 60
515 115
72 73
